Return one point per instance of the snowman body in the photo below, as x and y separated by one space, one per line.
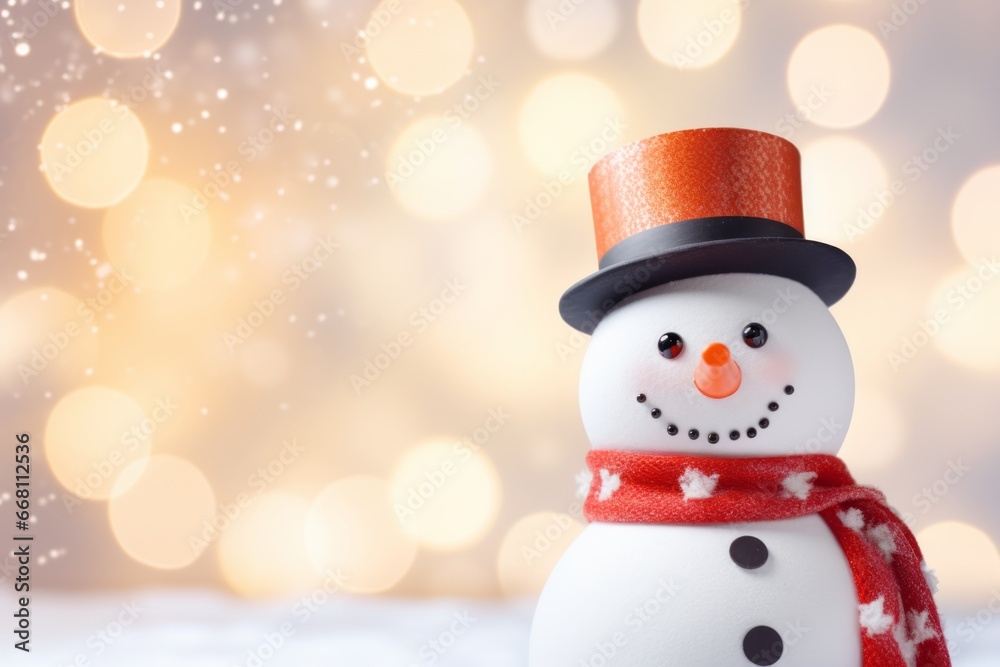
732 365
638 595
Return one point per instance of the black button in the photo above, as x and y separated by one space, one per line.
748 552
763 646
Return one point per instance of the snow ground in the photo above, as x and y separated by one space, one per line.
206 629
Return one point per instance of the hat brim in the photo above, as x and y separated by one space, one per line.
825 269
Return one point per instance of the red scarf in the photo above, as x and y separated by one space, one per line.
899 621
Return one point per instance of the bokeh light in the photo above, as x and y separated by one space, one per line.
268 568
568 122
963 316
447 493
975 215
352 529
264 362
419 48
531 549
45 335
840 74
94 152
168 516
127 29
965 561
515 351
340 11
572 30
845 189
438 170
160 234
92 437
877 434
689 34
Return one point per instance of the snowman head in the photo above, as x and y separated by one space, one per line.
736 364
708 311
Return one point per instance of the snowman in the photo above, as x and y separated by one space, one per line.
716 392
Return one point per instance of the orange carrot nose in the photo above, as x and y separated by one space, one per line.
717 375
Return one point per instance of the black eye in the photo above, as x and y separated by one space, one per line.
670 345
754 335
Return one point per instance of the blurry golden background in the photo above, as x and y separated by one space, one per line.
280 276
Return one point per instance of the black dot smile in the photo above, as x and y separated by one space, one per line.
713 437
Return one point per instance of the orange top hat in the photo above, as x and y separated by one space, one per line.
699 202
